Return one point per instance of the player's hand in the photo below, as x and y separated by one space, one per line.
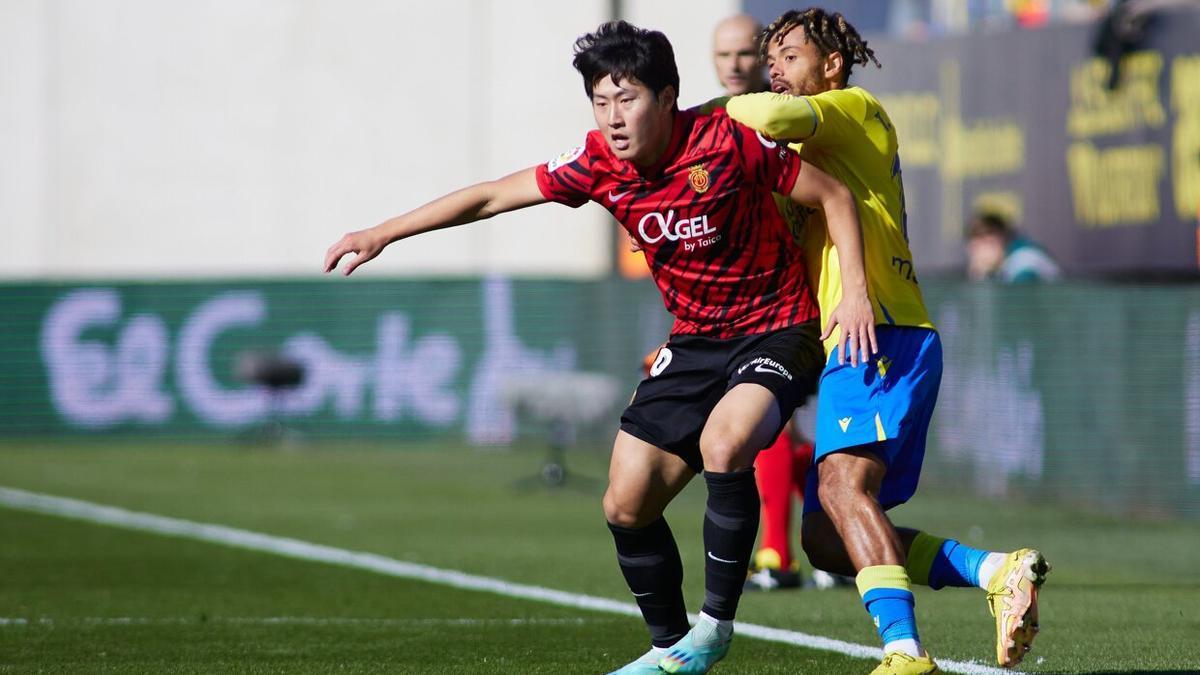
365 244
634 244
857 319
649 359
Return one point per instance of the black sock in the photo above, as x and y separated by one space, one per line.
650 561
730 526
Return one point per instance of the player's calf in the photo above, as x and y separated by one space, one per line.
730 526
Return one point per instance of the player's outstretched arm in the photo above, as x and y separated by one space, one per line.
781 116
480 201
854 313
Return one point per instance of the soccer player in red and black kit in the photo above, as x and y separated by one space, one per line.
695 190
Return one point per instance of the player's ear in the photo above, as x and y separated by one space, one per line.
666 98
833 66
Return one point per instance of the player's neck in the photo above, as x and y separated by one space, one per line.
653 159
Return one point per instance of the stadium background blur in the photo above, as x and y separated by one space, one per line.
172 174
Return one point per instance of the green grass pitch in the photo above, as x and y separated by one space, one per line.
77 597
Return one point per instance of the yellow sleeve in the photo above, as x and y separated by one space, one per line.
841 114
715 104
830 117
791 118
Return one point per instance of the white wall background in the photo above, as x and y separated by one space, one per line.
241 137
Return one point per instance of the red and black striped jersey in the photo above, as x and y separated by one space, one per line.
718 248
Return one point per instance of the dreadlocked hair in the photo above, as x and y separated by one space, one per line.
829 31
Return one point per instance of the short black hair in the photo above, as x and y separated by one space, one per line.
622 50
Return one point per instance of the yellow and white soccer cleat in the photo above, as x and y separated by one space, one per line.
1012 596
899 663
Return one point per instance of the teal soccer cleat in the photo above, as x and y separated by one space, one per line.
646 664
698 651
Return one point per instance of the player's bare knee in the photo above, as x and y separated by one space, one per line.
724 451
613 512
624 512
839 493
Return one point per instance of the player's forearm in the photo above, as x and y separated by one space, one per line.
457 208
779 116
845 229
477 202
814 187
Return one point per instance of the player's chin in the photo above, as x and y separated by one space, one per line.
623 150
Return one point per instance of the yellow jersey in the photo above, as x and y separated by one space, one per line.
847 134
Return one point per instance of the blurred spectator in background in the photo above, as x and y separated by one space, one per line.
923 19
1126 28
735 55
995 250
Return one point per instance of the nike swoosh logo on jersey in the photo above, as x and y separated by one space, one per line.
614 197
759 369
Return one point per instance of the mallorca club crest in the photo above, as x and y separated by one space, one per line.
698 178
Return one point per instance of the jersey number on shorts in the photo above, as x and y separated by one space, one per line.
661 363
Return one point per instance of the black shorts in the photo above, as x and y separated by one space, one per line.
692 373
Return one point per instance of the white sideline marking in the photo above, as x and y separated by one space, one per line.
294 548
284 621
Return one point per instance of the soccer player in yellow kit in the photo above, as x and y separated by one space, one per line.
872 422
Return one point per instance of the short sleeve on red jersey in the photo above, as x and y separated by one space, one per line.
767 162
568 179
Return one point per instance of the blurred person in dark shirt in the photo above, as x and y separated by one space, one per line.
997 251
